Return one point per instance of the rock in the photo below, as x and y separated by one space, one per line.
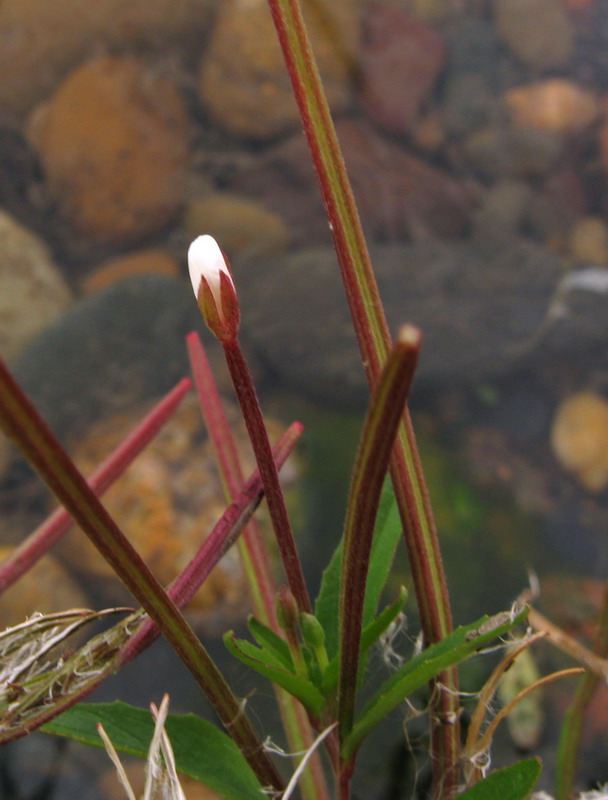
401 59
498 151
473 48
481 307
242 226
560 201
503 209
556 105
109 352
32 292
603 142
137 263
166 503
47 40
113 144
588 241
400 196
250 94
469 103
579 438
538 32
46 587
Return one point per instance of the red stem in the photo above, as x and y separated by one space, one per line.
252 414
58 523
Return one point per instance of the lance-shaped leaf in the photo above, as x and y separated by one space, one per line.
453 649
268 665
510 783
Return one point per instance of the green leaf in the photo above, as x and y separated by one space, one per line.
416 672
510 783
202 751
387 533
271 667
271 642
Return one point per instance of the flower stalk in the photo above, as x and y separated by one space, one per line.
218 303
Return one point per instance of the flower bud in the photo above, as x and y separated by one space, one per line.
214 288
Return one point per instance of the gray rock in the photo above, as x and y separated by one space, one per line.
483 308
110 351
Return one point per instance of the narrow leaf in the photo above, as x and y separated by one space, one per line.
451 650
271 642
510 783
201 750
259 660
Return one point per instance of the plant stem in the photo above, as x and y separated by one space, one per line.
21 422
371 464
58 523
256 562
374 342
252 414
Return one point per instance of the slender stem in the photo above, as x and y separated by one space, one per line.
572 727
58 523
255 559
374 342
21 422
252 414
251 546
371 464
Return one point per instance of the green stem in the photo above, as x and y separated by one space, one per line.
374 342
21 422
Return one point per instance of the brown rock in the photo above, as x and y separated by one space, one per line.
556 105
588 241
137 263
401 59
46 588
42 41
113 143
242 226
579 438
537 31
243 79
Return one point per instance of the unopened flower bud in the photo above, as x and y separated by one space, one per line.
214 288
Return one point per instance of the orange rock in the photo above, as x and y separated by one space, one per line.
579 438
166 503
113 143
555 105
46 588
141 261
